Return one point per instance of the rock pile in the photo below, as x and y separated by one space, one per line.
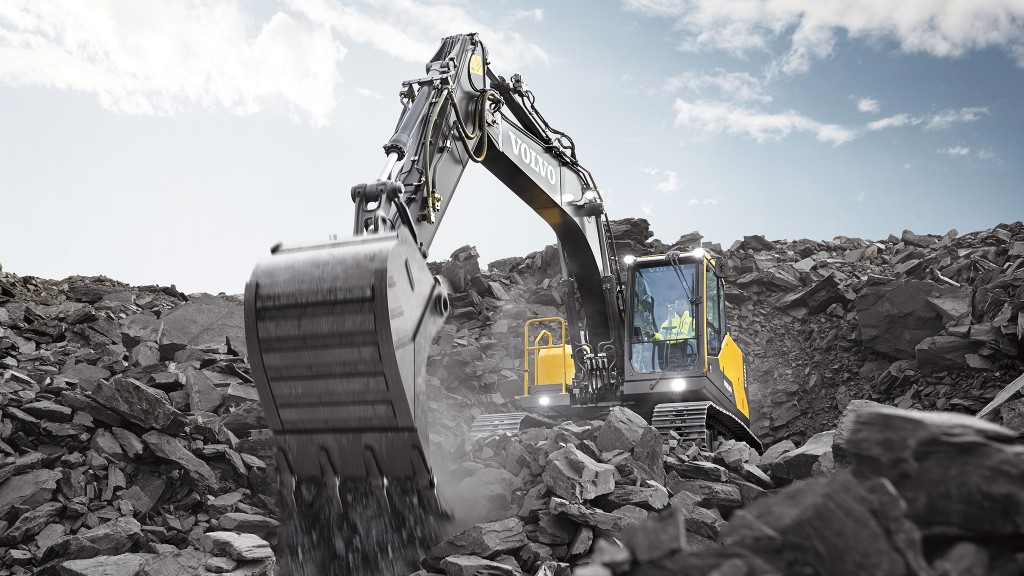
890 492
917 321
130 439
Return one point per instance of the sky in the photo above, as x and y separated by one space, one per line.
175 141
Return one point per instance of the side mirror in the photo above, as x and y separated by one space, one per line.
722 267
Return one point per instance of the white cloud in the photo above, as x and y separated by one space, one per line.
936 121
867 105
647 208
988 155
735 86
860 196
966 151
947 118
411 29
955 151
671 183
161 58
809 30
895 121
702 202
906 166
537 15
718 117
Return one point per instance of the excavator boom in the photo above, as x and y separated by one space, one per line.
339 331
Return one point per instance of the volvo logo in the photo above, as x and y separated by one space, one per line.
534 160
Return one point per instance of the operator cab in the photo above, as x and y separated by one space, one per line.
679 348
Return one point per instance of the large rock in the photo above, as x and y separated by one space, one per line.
32 522
575 476
845 425
203 321
462 565
168 448
713 494
797 464
120 565
895 317
236 546
145 406
652 496
832 526
28 490
187 561
621 430
957 473
606 521
115 537
944 352
487 540
203 396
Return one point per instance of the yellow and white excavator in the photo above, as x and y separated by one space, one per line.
339 331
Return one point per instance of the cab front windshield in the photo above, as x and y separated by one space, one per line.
664 318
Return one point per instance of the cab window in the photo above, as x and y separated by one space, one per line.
716 312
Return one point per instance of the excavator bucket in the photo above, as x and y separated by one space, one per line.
338 337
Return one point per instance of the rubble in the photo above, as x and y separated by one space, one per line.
129 430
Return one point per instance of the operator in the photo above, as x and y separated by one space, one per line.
680 325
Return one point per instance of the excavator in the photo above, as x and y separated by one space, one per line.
339 330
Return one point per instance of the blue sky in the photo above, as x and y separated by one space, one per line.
175 141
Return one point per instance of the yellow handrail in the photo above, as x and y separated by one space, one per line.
537 347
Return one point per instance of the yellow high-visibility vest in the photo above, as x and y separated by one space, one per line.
677 327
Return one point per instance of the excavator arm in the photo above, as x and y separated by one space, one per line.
339 331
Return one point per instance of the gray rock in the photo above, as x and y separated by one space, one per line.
978 495
236 546
203 396
186 561
846 424
46 410
895 317
145 354
714 494
120 565
830 525
28 490
106 445
605 521
662 535
575 476
220 565
698 470
939 352
651 497
487 540
203 321
462 565
92 408
131 444
140 404
32 522
249 523
118 536
733 454
648 455
621 430
797 464
168 448
581 542
555 530
775 450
